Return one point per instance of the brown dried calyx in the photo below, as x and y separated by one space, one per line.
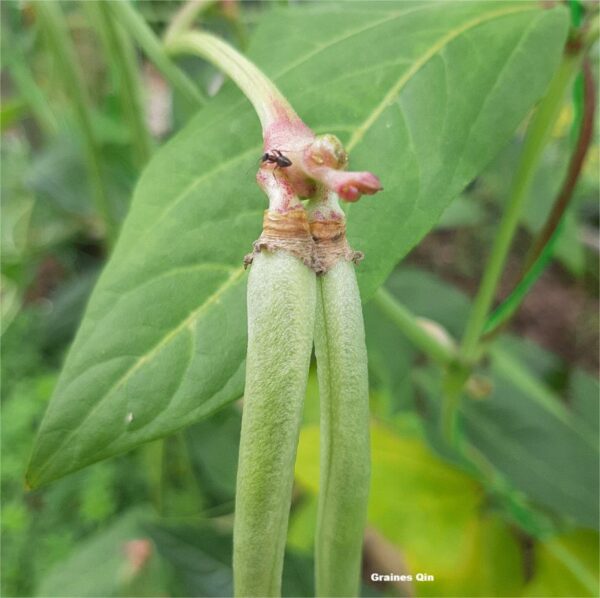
319 244
315 235
328 231
285 231
331 245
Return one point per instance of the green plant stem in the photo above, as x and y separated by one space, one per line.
524 515
281 317
123 57
586 577
183 19
499 318
52 21
153 456
454 381
408 324
584 140
540 254
345 453
154 49
537 135
267 100
593 33
25 83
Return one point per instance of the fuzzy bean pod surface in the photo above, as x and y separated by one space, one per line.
281 316
345 451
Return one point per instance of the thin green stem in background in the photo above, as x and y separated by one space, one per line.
586 577
156 52
27 87
454 382
538 134
153 456
412 329
530 519
501 315
130 87
540 254
585 133
52 21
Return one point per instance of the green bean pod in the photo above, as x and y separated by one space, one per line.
281 316
345 452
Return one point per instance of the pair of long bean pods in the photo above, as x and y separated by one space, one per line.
283 298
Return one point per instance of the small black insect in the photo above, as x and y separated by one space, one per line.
276 157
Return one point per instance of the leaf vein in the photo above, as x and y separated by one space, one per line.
420 62
193 316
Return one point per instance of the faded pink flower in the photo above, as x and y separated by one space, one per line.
316 161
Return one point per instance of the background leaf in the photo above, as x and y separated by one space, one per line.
102 565
433 513
546 449
201 560
566 565
426 101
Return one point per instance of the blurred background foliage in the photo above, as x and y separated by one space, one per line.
157 521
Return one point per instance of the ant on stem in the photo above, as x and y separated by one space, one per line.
276 157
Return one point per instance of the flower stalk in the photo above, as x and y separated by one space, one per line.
270 105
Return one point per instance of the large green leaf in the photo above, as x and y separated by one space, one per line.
423 94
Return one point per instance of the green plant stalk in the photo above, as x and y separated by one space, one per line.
184 18
51 20
25 83
269 103
520 511
538 134
540 253
281 314
454 381
408 324
345 452
153 457
130 86
586 577
509 306
154 49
